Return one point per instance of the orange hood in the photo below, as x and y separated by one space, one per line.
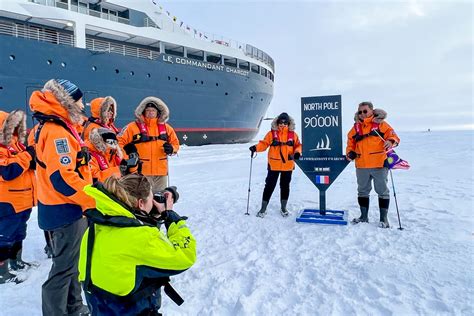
100 106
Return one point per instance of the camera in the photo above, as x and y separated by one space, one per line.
160 197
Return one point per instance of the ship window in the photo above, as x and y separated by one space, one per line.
148 75
195 54
132 73
228 61
117 71
251 97
244 65
174 50
63 64
255 68
214 58
49 62
195 81
169 78
264 72
94 68
202 82
12 57
226 93
1 88
175 78
217 84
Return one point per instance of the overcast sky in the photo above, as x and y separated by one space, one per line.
412 58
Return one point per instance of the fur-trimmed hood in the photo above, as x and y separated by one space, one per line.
96 140
163 110
44 104
100 106
291 125
379 116
12 124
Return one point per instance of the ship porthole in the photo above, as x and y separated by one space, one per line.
148 75
1 88
226 93
202 82
94 68
132 73
169 78
251 97
176 78
49 62
117 71
217 84
63 64
195 81
12 57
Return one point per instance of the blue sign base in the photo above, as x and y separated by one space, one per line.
332 217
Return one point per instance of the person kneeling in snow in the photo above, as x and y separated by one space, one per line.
125 258
285 147
367 143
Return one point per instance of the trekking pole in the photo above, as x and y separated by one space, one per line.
396 203
250 179
393 187
168 169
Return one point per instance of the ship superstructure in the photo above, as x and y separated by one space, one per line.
218 89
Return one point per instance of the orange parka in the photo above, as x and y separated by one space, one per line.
17 180
280 157
99 109
105 158
62 168
152 154
370 148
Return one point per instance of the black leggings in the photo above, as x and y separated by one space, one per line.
270 183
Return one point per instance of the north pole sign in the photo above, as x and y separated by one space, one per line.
322 160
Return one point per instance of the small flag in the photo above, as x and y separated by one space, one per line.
395 162
322 179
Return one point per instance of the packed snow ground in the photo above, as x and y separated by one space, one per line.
274 266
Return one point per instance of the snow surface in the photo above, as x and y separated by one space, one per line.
274 266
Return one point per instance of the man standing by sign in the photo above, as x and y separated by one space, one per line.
285 147
367 143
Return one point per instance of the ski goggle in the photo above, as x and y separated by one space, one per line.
283 122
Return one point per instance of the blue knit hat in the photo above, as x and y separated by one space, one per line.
70 88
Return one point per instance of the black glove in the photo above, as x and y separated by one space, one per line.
170 216
297 155
352 155
130 148
32 152
168 148
127 164
253 148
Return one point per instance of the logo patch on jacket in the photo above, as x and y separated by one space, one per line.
65 160
62 146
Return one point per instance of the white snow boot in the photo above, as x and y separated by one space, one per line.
263 209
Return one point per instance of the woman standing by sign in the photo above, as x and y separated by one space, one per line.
285 147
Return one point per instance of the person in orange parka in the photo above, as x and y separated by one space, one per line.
285 147
106 154
152 139
367 143
17 192
103 114
62 171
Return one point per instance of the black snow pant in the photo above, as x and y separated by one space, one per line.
61 293
270 183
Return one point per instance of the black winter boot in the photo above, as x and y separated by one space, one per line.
6 276
263 209
364 210
383 205
17 263
284 212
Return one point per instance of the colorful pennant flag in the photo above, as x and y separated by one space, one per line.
395 162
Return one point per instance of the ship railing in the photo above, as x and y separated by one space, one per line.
83 10
36 33
121 49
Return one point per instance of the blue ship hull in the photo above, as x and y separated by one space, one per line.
207 106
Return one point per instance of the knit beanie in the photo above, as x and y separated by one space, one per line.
70 88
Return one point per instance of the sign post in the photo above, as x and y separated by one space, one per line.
322 160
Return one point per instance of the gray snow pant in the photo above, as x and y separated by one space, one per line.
61 293
364 182
158 183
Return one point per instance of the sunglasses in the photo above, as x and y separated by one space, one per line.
363 111
283 122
